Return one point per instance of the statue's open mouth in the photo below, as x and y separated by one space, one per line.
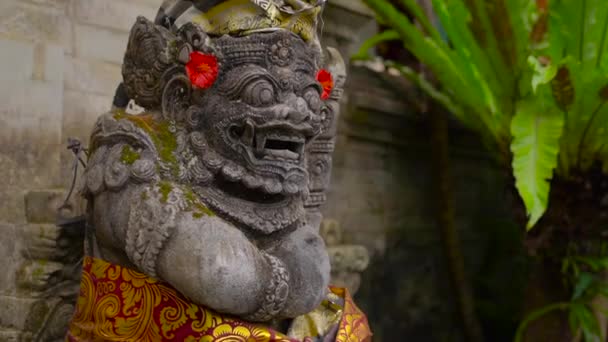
273 142
280 147
270 162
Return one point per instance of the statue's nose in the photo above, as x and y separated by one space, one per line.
296 111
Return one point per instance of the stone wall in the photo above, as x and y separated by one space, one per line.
59 66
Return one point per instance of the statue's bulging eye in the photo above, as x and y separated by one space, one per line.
259 93
313 98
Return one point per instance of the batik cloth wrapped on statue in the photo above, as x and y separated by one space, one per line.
204 182
120 304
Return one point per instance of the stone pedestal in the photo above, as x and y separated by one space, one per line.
347 261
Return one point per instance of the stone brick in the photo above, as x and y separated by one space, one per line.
16 60
92 76
81 110
11 257
34 23
48 63
60 4
10 335
30 133
99 43
113 14
15 311
42 206
151 3
44 241
53 63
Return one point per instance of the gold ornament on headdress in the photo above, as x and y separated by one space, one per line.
242 17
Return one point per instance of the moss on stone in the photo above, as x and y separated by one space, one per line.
37 316
201 210
160 133
128 155
119 114
190 196
165 189
194 203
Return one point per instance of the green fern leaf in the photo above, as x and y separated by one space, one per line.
536 129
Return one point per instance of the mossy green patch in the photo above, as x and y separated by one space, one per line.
165 189
160 133
119 114
201 210
195 204
128 155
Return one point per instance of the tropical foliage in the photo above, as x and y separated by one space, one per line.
530 77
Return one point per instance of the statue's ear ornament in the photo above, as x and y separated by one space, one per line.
202 69
326 80
162 66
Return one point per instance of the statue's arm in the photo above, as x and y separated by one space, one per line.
305 255
166 233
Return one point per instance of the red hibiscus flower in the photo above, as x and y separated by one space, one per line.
327 82
202 69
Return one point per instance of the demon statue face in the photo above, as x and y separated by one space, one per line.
253 127
215 187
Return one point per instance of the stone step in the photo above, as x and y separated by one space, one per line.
10 335
14 313
348 258
46 241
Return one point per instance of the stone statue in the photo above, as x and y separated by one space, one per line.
204 182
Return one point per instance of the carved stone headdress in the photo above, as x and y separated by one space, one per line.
241 17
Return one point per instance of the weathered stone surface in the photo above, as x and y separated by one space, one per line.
345 258
29 135
10 335
11 256
119 15
15 311
43 241
331 231
17 60
96 43
38 275
42 206
29 141
39 285
60 4
85 76
20 20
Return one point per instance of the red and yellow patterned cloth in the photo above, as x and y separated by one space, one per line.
120 304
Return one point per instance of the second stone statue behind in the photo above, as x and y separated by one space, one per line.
204 208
